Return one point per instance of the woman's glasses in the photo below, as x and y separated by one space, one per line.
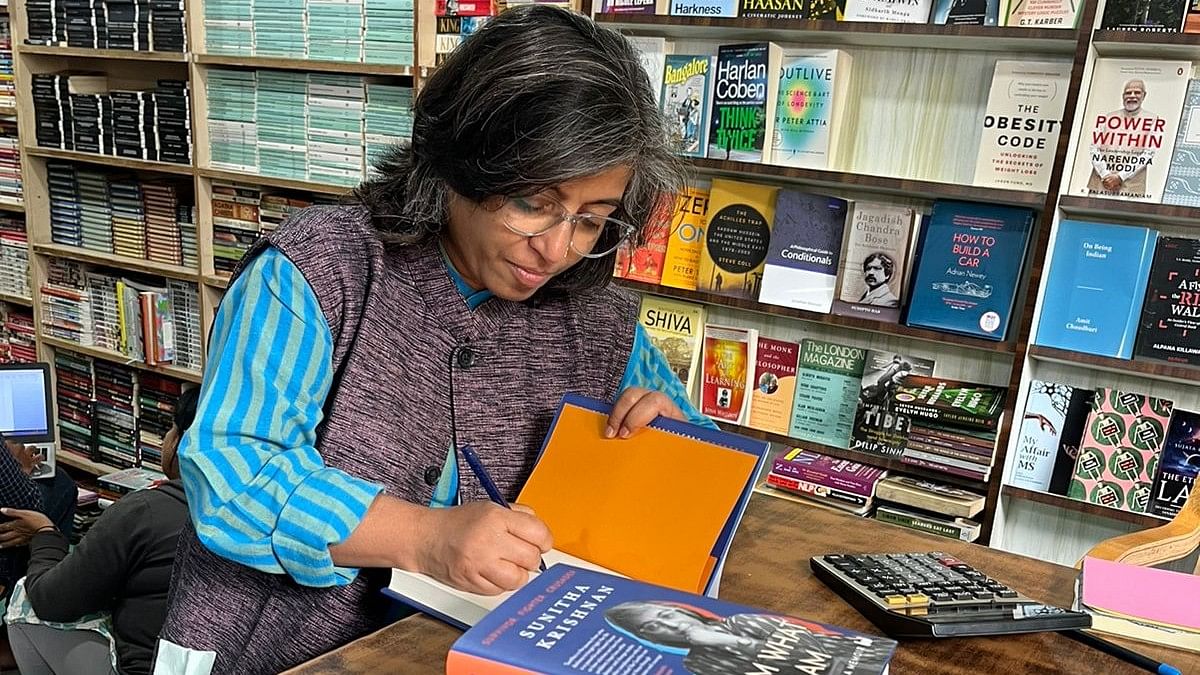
592 236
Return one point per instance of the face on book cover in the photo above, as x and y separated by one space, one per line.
490 256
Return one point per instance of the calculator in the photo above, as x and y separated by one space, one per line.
936 595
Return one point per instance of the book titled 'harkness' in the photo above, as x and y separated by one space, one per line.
570 617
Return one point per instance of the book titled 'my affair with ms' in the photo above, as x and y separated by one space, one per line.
572 620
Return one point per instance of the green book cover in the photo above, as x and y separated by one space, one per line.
827 385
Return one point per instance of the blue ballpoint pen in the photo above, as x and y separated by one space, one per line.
488 485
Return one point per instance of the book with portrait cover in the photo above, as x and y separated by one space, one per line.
1127 132
1170 326
569 616
1119 456
728 364
806 242
742 118
874 262
878 428
736 238
686 82
827 388
810 107
675 328
1179 465
1160 16
1041 13
681 266
774 385
970 266
1022 124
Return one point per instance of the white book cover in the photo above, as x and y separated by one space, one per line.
1022 124
1128 129
809 107
888 11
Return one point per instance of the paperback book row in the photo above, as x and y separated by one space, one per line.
1120 449
957 270
355 31
110 413
1123 292
758 102
877 403
1028 13
8 87
138 319
457 21
243 213
84 113
928 506
14 257
121 214
1139 137
140 25
17 336
11 189
326 128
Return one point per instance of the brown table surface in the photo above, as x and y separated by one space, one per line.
768 567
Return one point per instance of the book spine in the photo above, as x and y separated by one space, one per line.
815 489
928 525
840 481
951 453
978 450
957 438
920 412
944 468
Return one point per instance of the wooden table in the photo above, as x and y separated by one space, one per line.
768 567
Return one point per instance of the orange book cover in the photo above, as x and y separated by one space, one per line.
681 266
645 262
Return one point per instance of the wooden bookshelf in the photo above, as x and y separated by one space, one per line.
894 465
851 322
1154 370
118 261
845 33
116 357
12 207
1135 212
104 54
108 160
1128 43
217 280
1144 520
85 465
867 183
307 65
248 178
16 300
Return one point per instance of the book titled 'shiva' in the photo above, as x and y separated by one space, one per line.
569 617
1093 295
970 265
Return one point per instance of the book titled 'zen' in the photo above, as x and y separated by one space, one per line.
570 619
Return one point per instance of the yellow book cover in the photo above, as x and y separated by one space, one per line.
675 327
774 385
681 267
736 238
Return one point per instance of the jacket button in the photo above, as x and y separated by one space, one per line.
466 357
432 474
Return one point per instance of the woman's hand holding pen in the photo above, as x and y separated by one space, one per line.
636 408
481 547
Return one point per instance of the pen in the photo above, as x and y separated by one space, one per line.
489 487
1127 655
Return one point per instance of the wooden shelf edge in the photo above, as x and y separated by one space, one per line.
216 280
310 65
121 359
1098 207
852 323
16 300
85 465
121 262
1143 519
1155 370
268 181
108 160
108 54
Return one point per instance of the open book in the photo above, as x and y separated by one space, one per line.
661 506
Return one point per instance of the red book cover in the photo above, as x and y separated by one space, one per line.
774 385
728 355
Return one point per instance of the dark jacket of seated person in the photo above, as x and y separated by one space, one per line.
123 564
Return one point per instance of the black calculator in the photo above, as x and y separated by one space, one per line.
936 595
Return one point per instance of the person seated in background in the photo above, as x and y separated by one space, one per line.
122 567
53 496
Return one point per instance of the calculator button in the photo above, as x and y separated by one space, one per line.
918 599
964 596
896 600
884 592
983 595
1007 593
942 597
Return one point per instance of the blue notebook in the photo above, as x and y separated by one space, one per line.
1092 298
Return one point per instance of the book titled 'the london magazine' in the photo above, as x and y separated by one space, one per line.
570 617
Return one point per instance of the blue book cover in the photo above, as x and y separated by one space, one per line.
970 267
805 250
704 7
1178 466
1092 298
686 82
569 618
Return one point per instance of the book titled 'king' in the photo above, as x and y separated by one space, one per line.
970 266
569 617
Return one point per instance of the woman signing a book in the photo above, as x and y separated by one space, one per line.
450 303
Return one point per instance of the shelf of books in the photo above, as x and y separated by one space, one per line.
112 356
272 182
108 160
119 261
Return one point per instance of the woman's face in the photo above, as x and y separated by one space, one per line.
490 256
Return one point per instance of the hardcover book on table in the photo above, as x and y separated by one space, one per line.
1120 452
831 472
569 617
803 256
1170 323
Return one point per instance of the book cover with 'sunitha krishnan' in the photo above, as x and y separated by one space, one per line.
1170 326
569 617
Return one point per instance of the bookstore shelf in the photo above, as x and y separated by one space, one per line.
1128 43
1144 520
116 357
865 182
106 54
246 177
928 36
307 65
117 261
888 463
216 280
12 206
1154 370
1142 213
108 160
16 300
817 317
82 464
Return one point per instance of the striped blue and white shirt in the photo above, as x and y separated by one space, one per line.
258 490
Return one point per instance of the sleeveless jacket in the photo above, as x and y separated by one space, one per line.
400 331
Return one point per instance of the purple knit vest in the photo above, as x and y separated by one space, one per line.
389 420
